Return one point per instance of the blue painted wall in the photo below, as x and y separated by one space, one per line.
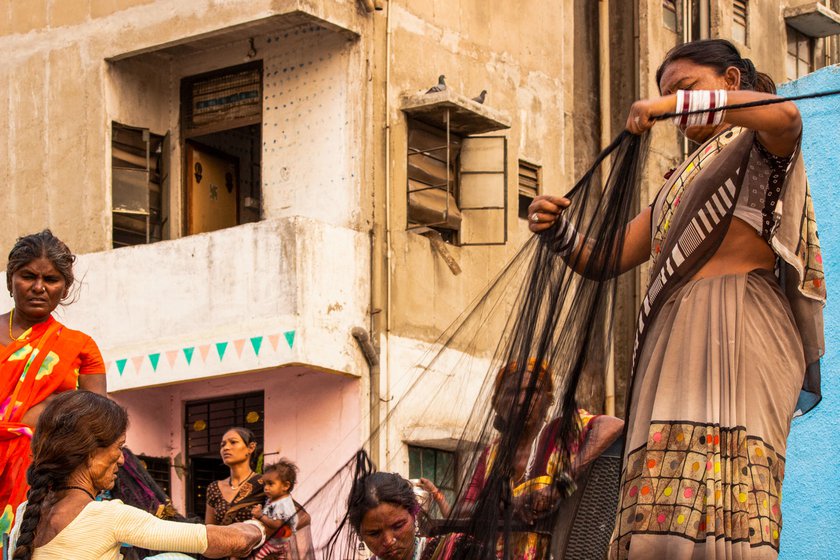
811 492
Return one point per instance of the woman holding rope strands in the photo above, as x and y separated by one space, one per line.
730 331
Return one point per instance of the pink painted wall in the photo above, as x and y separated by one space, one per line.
311 417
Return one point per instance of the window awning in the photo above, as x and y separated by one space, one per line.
274 24
813 19
466 117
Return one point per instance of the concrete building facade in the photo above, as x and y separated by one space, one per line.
248 181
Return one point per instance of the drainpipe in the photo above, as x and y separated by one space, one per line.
605 102
372 359
388 247
381 265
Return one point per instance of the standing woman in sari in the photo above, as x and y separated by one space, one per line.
231 500
40 357
730 331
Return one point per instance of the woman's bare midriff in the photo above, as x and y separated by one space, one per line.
742 250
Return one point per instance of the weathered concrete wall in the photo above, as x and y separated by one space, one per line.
530 80
812 472
58 104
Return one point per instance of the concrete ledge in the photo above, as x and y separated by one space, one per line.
256 296
813 19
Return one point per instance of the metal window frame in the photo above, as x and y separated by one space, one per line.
147 137
445 187
503 208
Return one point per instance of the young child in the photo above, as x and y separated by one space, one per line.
279 515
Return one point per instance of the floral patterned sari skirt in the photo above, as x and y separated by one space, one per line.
710 411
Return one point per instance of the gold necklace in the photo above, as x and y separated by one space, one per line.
11 315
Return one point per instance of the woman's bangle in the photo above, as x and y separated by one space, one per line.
259 526
438 496
709 103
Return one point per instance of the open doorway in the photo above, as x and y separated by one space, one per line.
206 421
221 122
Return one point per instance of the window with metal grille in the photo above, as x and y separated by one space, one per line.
740 20
529 185
669 14
438 466
139 181
800 54
222 100
206 422
158 468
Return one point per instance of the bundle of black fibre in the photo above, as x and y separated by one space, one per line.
532 336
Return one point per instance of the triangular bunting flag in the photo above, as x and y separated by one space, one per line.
121 365
256 343
154 358
204 349
239 345
171 356
221 348
188 352
138 362
274 339
290 338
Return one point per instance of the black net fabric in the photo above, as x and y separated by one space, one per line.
539 328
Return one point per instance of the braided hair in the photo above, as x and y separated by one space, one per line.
72 427
719 54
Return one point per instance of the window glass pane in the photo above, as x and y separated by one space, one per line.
790 67
802 69
445 473
414 462
428 468
791 41
669 15
803 44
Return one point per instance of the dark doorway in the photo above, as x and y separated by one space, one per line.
222 111
206 421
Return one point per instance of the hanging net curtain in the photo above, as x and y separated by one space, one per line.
549 317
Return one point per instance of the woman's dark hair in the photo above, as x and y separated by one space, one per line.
376 489
286 471
248 438
37 245
719 54
70 429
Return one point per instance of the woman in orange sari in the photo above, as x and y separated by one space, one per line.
39 357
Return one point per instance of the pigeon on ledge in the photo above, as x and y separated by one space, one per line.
481 97
441 85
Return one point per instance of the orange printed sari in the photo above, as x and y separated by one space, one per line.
46 359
